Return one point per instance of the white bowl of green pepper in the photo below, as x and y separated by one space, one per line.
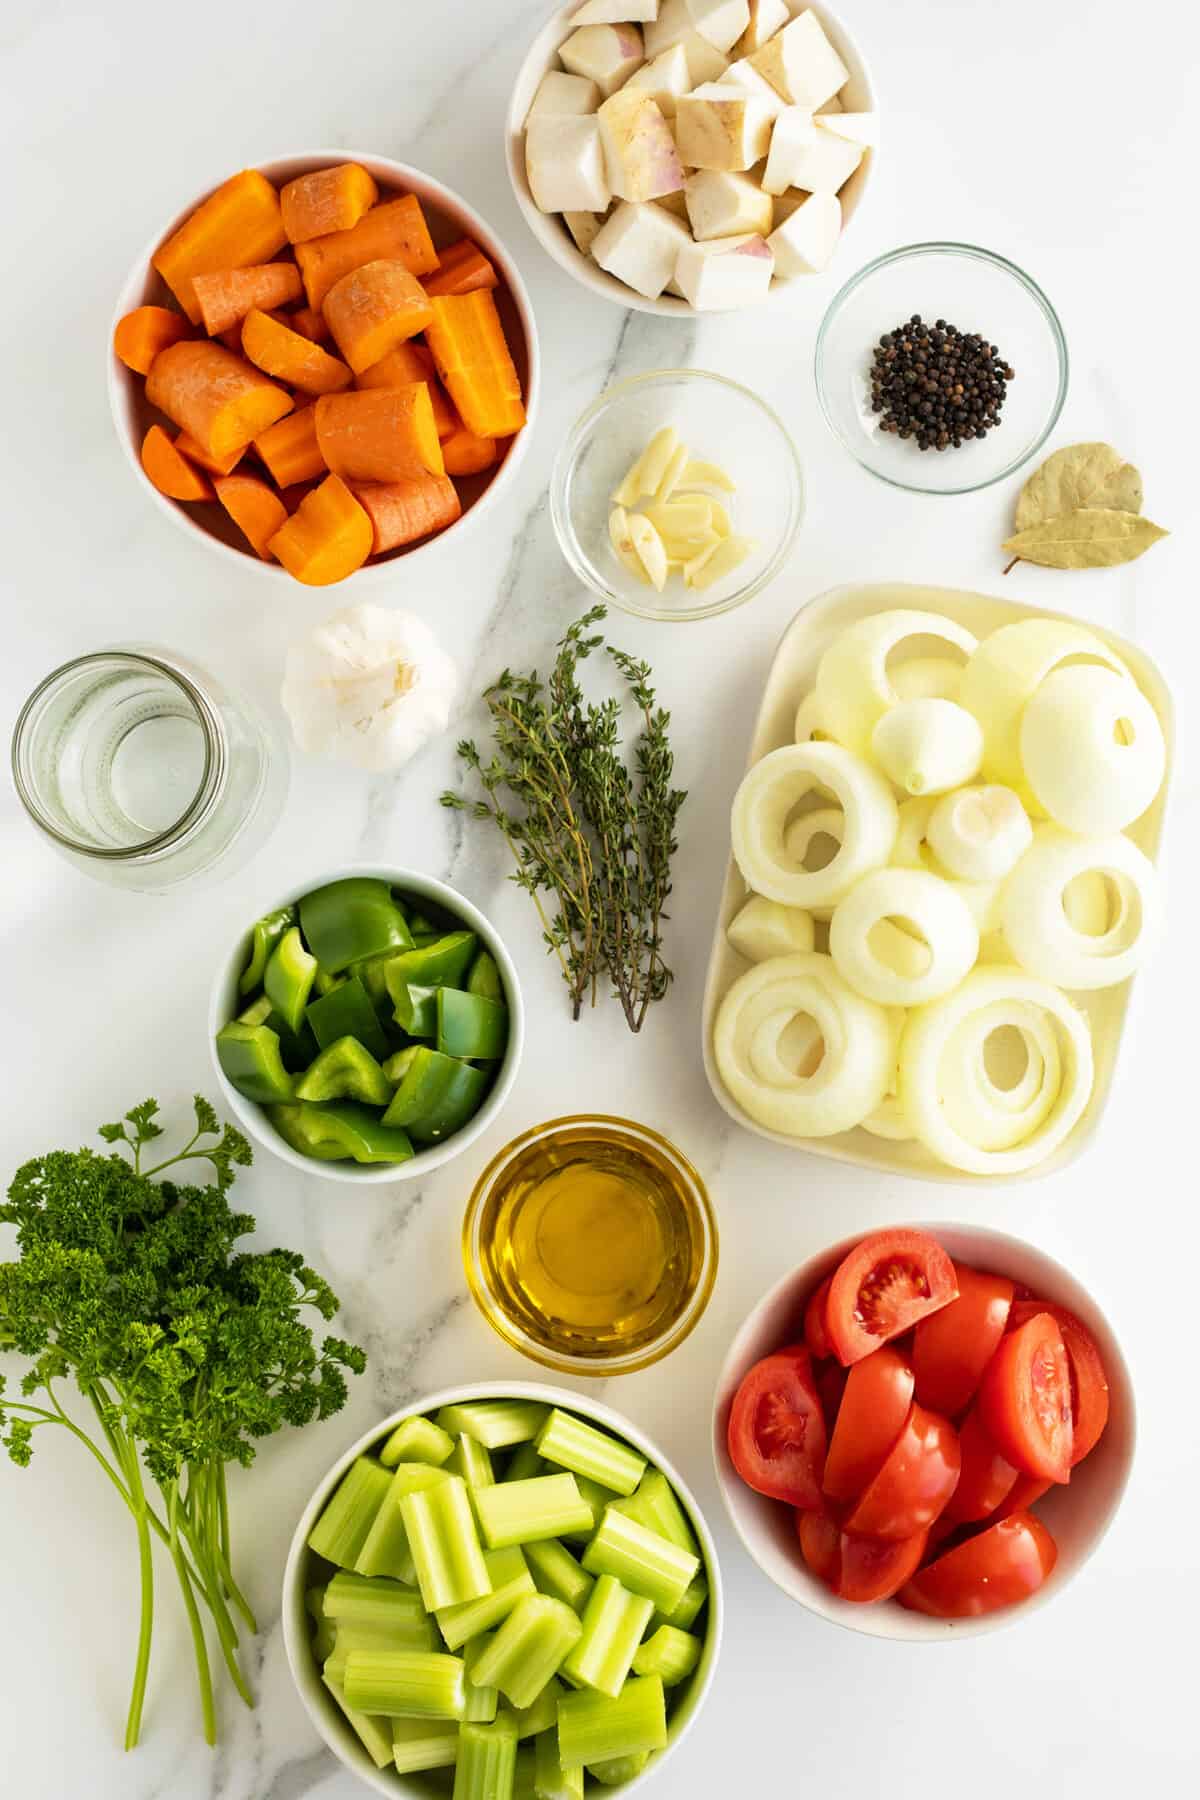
368 1025
567 1655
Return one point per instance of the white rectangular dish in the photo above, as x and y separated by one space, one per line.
792 674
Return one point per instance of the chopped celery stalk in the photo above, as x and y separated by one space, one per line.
592 1728
424 1744
511 1582
344 1526
575 1445
387 1551
359 1600
656 1506
619 1769
399 1684
551 1781
348 1638
556 1572
528 1648
472 1462
445 1544
373 1733
524 1464
482 1702
595 1498
613 1623
314 1603
688 1610
417 1440
324 1639
542 1714
523 1512
670 1653
487 1760
494 1423
643 1561
525 1774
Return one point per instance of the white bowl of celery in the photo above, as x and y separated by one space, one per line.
508 1594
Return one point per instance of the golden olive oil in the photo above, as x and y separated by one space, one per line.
591 1240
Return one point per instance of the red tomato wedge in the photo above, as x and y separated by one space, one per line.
777 1429
872 1570
820 1545
1089 1383
915 1482
986 1478
1001 1566
816 1333
953 1347
1025 1492
872 1415
830 1378
887 1282
1024 1400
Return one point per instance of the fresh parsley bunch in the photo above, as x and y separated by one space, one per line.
129 1285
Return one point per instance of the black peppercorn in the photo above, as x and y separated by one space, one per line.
936 385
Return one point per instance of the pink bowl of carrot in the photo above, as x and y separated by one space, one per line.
323 366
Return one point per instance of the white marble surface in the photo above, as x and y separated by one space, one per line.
1058 134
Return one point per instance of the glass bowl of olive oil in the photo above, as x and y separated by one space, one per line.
590 1245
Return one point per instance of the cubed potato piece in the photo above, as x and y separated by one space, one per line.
801 63
719 22
641 246
721 204
766 18
722 128
805 242
823 165
794 132
725 273
564 158
674 26
639 147
615 12
859 127
605 54
786 204
560 93
744 75
583 227
664 79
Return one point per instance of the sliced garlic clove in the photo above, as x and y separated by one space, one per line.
650 550
673 473
706 474
726 555
979 833
621 538
646 474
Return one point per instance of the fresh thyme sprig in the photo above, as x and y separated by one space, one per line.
584 828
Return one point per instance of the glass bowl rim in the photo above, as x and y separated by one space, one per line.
560 512
598 1367
973 253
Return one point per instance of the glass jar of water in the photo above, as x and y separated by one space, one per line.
145 771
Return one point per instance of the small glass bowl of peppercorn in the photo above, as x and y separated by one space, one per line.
941 367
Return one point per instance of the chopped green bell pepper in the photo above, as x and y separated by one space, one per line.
443 963
264 935
347 1012
340 1130
298 1048
422 926
324 982
289 978
257 1013
349 920
470 1026
484 978
304 1129
416 1010
370 972
345 1071
436 1095
249 1058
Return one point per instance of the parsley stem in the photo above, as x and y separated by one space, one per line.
203 1671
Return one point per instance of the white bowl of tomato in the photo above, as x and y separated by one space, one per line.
923 1432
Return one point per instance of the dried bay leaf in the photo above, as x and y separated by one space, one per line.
1087 538
1082 475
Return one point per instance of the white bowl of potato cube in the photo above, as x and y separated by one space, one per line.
682 156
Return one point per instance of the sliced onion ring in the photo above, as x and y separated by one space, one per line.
1039 928
854 689
789 995
927 678
941 916
810 727
763 809
927 1051
990 1116
912 851
888 1120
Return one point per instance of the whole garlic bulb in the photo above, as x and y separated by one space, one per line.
368 687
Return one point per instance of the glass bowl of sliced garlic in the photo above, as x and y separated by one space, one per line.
677 495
